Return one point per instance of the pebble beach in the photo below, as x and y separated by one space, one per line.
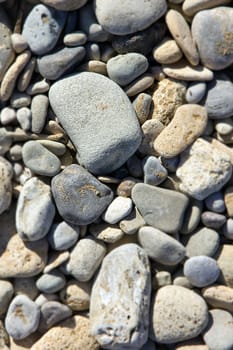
116 181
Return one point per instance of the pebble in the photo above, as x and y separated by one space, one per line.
123 69
203 158
24 118
6 294
19 100
26 286
15 153
51 282
178 314
139 85
224 126
192 216
18 42
7 53
54 65
215 202
227 229
181 33
44 298
119 309
161 279
22 317
167 51
35 210
7 115
150 131
224 261
6 172
80 198
72 332
124 189
40 160
63 236
195 92
215 49
219 296
118 209
156 206
182 70
75 39
52 312
175 138
26 75
56 259
204 241
83 263
38 87
201 270
117 128
190 8
132 223
154 171
142 105
160 247
39 109
76 295
106 232
220 323
42 28
57 148
213 220
129 18
65 5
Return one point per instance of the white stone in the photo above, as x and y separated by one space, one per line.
118 209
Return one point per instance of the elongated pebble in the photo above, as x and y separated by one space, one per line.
39 109
195 92
39 87
75 39
142 105
183 71
191 7
139 85
26 75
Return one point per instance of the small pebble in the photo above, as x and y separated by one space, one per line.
51 282
195 92
167 51
63 236
117 210
75 39
107 233
139 85
215 202
15 153
39 87
20 100
201 270
39 108
142 105
124 189
18 42
132 223
56 259
224 126
227 229
154 171
6 294
93 51
26 75
24 118
161 279
7 115
44 298
52 312
203 241
76 295
150 131
213 220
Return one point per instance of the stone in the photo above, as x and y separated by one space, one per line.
213 220
156 205
205 159
195 92
219 297
227 229
76 295
24 118
192 216
26 286
131 224
75 39
51 282
6 185
42 28
142 105
108 233
26 75
154 171
80 198
119 309
118 129
178 314
39 109
190 8
83 263
215 49
120 20
215 202
174 138
39 87
201 270
4 338
123 69
57 148
54 65
224 262
63 236
18 42
6 294
124 189
65 5
7 115
45 297
167 96
167 51
203 241
72 333
161 279
56 259
144 82
7 53
35 210
150 131
182 70
160 247
20 100
51 313
220 322
181 33
117 210
224 126
22 317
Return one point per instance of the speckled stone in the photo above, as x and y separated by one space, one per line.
204 241
119 309
63 236
201 270
76 295
51 282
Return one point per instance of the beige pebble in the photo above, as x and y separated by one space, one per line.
11 75
39 87
224 126
219 296
54 128
26 75
76 295
18 42
228 200
150 131
167 96
57 148
191 7
72 334
183 71
94 66
106 232
55 260
139 85
20 100
181 33
75 39
187 125
167 51
224 261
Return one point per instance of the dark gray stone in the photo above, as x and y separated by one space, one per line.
201 270
51 282
213 220
154 171
215 202
80 198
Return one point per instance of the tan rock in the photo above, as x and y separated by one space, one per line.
181 32
191 7
220 297
167 51
167 96
94 66
55 260
150 130
139 85
72 334
76 295
224 261
188 123
228 199
106 232
4 339
26 75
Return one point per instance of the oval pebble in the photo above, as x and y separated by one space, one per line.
22 317
224 126
154 171
7 115
167 51
117 210
39 108
75 39
63 236
51 282
142 105
201 270
195 92
24 118
182 70
213 220
204 241
18 42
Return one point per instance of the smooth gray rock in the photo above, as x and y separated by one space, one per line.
35 210
215 49
213 220
6 174
54 65
161 208
42 28
80 198
99 119
120 299
39 159
195 92
53 312
154 171
160 247
204 241
215 202
24 118
201 270
192 216
63 236
22 317
228 229
39 109
130 18
51 282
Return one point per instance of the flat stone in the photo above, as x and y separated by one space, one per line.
76 295
224 261
42 28
51 282
22 317
5 184
203 158
40 160
39 109
213 220
100 118
190 7
178 314
73 332
119 309
182 70
195 92
144 82
204 241
218 296
118 209
65 5
154 171
35 210
167 51
122 20
63 236
192 216
201 270
215 49
54 65
161 208
80 198
160 247
6 294
175 138
7 53
51 313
